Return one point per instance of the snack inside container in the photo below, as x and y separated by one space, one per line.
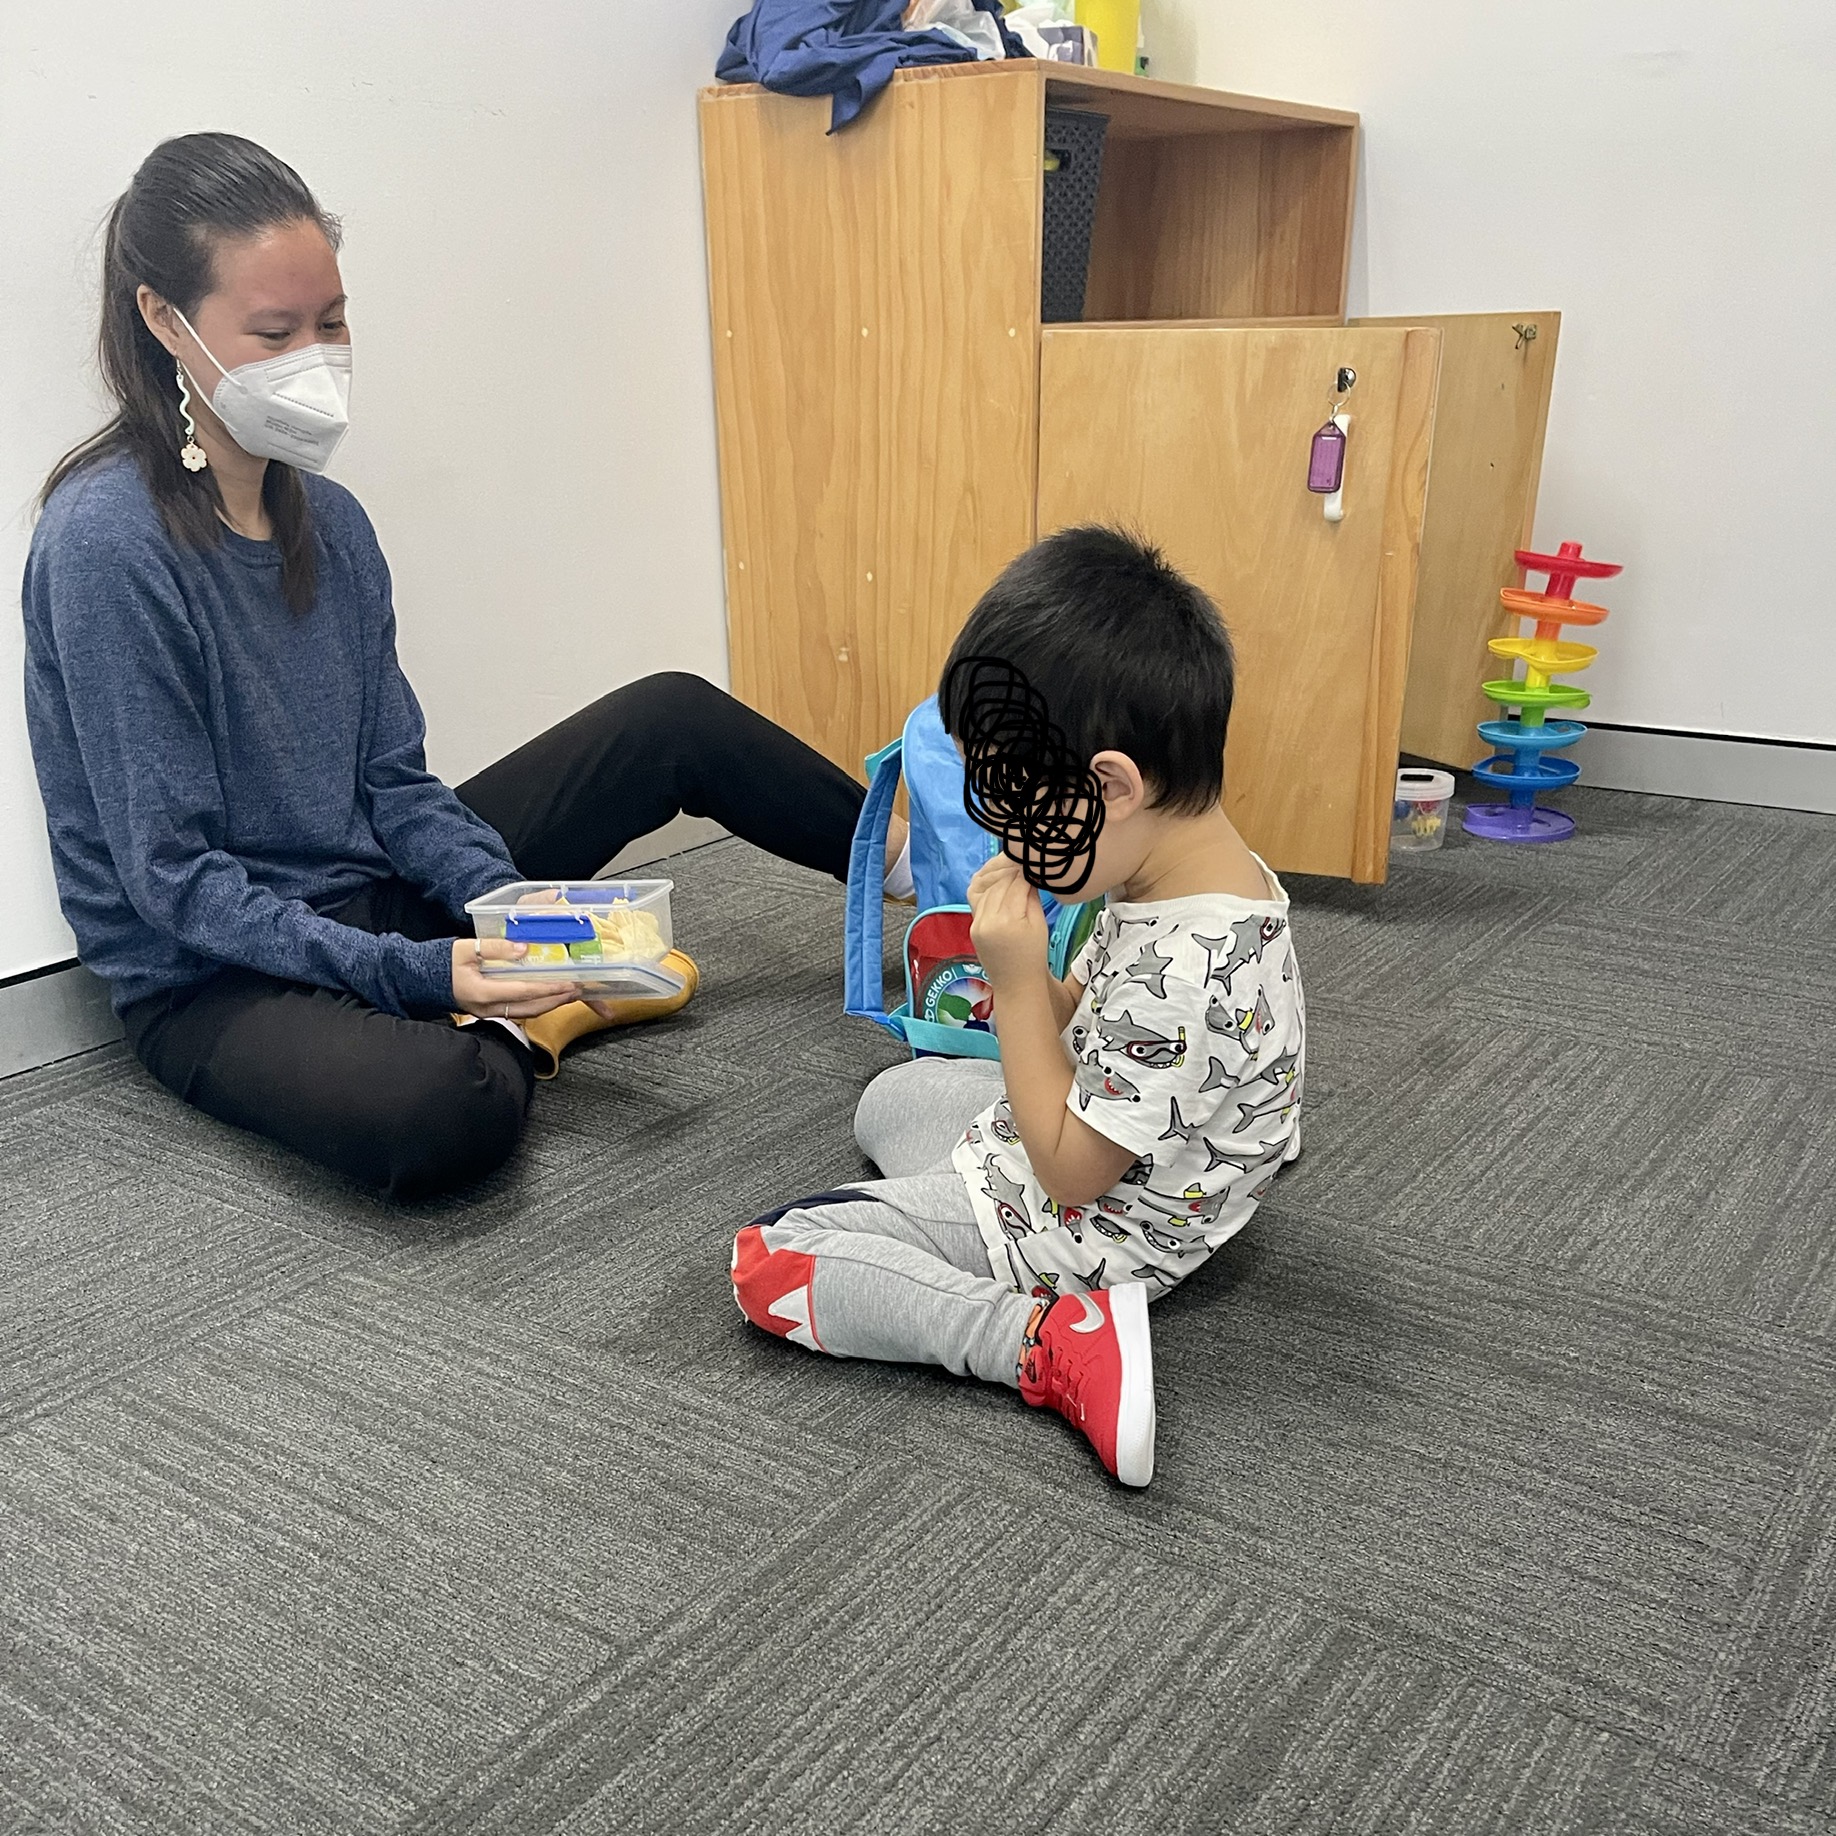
609 935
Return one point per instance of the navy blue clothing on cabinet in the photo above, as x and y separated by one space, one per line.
845 48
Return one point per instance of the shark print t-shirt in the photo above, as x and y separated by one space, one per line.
1190 1042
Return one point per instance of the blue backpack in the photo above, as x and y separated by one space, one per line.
947 1003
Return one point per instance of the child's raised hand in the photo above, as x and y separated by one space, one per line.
1007 925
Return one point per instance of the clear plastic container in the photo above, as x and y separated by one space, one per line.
1419 816
611 936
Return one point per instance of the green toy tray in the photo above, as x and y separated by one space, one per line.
1510 694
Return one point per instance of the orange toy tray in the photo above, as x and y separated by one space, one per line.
1545 610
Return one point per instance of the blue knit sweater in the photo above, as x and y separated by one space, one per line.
218 769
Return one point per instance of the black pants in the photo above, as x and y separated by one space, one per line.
415 1107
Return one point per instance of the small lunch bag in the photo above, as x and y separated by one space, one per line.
948 1005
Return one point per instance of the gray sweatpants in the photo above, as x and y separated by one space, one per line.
900 1270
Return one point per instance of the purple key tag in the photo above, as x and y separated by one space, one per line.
1326 460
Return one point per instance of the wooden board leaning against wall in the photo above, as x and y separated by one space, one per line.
1496 371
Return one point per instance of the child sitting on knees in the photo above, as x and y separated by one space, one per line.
1144 1104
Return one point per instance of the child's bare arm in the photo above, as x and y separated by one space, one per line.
1073 1162
1065 997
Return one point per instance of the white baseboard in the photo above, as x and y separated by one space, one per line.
54 1015
1722 769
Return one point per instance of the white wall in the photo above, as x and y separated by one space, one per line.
533 418
533 426
1663 172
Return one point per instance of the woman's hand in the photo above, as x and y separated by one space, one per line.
1008 926
502 997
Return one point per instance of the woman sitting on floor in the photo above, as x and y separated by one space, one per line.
248 844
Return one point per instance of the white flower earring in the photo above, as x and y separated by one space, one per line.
191 455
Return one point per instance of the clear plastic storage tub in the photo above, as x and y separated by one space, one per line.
1419 819
611 936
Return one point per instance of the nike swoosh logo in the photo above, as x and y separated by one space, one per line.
1093 1315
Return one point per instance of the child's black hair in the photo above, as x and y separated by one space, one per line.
1128 654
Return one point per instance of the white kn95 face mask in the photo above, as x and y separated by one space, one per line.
295 407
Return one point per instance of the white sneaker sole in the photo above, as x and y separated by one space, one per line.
1128 1309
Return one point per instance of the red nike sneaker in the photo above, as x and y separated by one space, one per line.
772 1287
1089 1358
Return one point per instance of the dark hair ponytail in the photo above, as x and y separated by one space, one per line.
162 232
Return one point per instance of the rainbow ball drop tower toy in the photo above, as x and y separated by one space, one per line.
1521 765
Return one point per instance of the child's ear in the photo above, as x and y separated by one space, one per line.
1123 791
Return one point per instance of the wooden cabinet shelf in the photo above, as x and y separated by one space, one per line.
1144 108
896 423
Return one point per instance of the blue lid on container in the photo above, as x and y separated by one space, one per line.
548 927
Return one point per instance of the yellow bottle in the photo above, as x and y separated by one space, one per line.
1117 24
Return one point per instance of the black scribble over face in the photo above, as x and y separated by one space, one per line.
1021 780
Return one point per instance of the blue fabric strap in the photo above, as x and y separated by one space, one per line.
943 1041
864 954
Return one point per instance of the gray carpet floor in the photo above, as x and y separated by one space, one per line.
1497 1484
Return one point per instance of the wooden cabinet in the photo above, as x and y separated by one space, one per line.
896 423
875 299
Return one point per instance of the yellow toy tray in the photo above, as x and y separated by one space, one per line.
1547 656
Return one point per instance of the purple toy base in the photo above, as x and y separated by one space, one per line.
1500 822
